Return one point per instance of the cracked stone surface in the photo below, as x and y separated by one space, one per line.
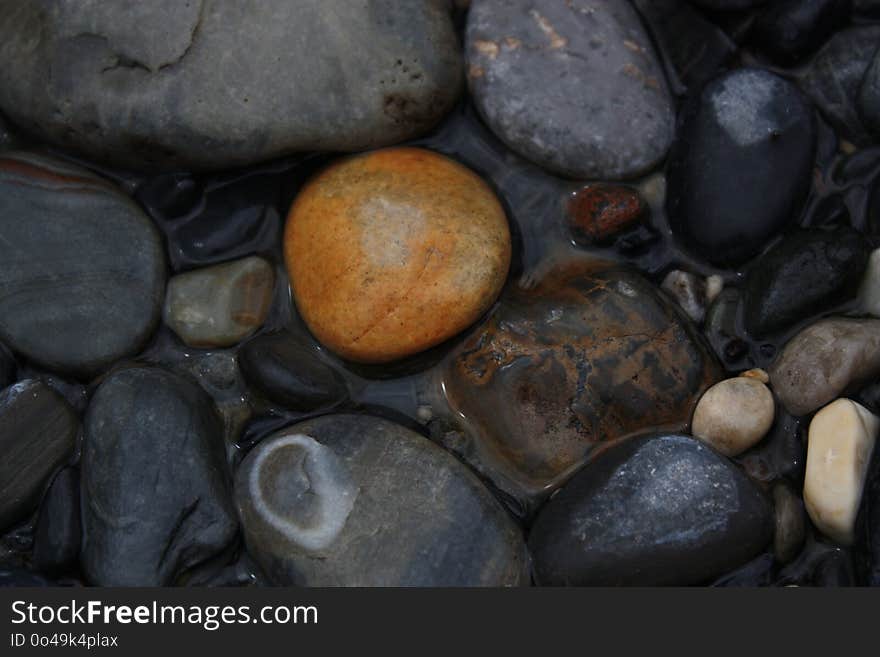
218 83
582 359
574 86
156 499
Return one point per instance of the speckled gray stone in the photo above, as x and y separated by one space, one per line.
216 83
83 272
651 511
573 86
348 500
155 493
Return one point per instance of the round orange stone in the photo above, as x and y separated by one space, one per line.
392 252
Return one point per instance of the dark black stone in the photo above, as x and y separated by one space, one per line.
834 79
155 490
7 367
804 275
695 48
790 30
819 564
760 571
288 369
651 510
782 452
741 166
37 436
58 533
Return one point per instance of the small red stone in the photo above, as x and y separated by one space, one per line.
600 211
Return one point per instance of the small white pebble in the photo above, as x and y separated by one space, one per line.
424 414
714 285
840 442
869 295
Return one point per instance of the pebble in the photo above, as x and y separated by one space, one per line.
824 360
689 291
58 532
790 532
791 30
734 414
841 440
7 139
288 369
155 496
572 86
38 431
221 305
869 97
83 271
350 500
580 359
869 293
741 166
599 212
650 511
393 252
142 87
834 79
806 274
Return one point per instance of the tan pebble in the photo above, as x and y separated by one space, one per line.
734 415
757 373
840 442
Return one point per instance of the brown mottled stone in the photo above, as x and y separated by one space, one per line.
599 212
582 360
395 251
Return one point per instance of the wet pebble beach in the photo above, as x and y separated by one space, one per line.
433 293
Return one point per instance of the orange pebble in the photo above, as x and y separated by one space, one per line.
392 252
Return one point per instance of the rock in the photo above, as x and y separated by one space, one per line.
841 440
649 511
807 273
392 252
221 305
734 414
288 369
788 538
741 166
722 330
835 75
141 86
574 87
824 360
348 500
689 292
790 30
599 212
696 48
83 268
582 359
781 454
867 8
154 480
869 293
757 572
7 367
7 139
37 436
58 532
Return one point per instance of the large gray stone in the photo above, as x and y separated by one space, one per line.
348 500
83 268
154 483
215 83
573 86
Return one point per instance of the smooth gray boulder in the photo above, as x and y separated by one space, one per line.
574 86
218 83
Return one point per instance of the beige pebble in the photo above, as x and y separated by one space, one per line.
841 439
714 285
869 295
734 414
